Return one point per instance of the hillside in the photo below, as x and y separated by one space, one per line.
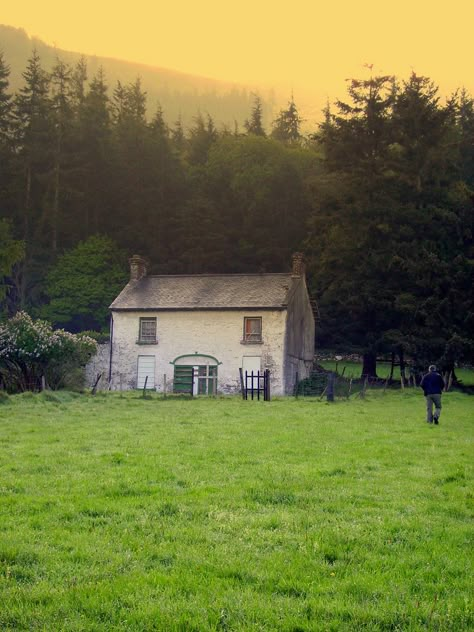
180 95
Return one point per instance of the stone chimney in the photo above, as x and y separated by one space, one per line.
138 267
298 264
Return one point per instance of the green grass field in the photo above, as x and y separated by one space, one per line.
123 513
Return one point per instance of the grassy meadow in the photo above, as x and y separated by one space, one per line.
124 513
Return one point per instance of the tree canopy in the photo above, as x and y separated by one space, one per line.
380 197
82 284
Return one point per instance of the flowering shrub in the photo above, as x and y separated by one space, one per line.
31 349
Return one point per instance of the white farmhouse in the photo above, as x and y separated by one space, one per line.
194 332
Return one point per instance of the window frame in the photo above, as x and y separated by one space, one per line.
206 380
147 338
250 338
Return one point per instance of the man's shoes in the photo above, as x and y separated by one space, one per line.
436 421
428 421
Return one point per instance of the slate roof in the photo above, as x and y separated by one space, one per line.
206 291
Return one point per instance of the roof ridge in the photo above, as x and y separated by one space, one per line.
217 274
221 291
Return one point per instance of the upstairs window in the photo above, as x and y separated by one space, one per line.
147 331
252 330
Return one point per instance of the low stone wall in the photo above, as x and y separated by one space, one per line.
99 364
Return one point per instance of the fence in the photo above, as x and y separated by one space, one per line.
255 383
332 385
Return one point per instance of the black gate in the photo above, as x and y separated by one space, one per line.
255 384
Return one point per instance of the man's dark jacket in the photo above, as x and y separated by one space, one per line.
432 384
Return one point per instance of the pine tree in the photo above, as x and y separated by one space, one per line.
420 129
356 206
201 137
159 126
5 103
78 84
7 154
177 136
465 126
94 172
286 127
62 112
135 101
254 125
33 137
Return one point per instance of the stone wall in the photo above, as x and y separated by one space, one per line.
99 364
208 333
300 333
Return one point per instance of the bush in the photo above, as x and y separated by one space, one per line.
31 350
101 337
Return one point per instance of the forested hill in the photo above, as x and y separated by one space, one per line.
180 95
380 198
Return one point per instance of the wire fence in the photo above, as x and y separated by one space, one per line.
329 384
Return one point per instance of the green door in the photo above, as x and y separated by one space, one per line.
183 379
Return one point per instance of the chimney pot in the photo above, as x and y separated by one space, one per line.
138 267
298 264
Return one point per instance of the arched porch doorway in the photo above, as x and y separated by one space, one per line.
195 373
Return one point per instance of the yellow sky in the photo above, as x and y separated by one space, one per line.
301 44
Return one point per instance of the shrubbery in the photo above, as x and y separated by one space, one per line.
31 349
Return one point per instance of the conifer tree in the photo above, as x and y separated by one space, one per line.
33 134
420 129
177 136
254 125
465 127
95 148
61 109
5 102
286 126
158 124
78 83
6 142
201 137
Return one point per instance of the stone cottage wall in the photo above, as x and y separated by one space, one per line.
99 364
205 333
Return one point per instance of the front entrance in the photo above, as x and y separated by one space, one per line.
183 379
195 374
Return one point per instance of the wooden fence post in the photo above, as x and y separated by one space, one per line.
330 387
94 388
242 387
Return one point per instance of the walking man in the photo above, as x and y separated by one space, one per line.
432 385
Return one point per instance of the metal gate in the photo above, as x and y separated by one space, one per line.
255 384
